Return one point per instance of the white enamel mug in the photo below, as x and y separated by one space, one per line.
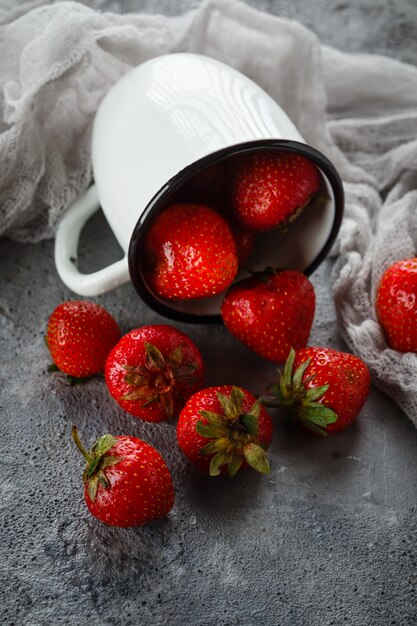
160 125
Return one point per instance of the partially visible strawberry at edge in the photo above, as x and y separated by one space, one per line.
396 305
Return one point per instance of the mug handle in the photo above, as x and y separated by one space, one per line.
66 247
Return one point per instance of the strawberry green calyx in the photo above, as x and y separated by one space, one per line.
291 392
156 380
97 461
234 435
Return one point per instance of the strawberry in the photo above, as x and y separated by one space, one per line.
190 253
244 241
270 312
244 238
269 189
126 481
79 336
209 187
153 370
396 305
324 389
224 428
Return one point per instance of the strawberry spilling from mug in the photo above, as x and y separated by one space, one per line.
270 189
190 253
271 312
153 370
322 388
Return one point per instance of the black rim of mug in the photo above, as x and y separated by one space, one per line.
154 207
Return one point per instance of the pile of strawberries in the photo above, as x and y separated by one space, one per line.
156 372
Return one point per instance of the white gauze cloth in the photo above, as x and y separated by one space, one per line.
58 61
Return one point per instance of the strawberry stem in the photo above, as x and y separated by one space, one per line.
77 441
97 461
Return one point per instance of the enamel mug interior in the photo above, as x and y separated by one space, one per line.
166 121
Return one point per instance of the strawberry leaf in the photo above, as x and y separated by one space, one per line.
250 422
142 393
103 445
219 459
214 446
108 461
316 392
315 429
92 487
256 408
317 413
176 356
92 467
185 373
136 380
103 480
280 398
237 398
212 418
166 404
298 375
256 458
154 358
210 430
150 399
227 406
234 465
286 377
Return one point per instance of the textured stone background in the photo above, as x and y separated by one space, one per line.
328 538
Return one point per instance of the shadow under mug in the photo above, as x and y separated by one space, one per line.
163 124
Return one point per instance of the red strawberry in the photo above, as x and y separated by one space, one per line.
269 189
225 427
396 305
190 253
323 388
271 312
153 370
126 481
244 240
79 336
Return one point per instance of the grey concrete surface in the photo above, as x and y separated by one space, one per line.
328 539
